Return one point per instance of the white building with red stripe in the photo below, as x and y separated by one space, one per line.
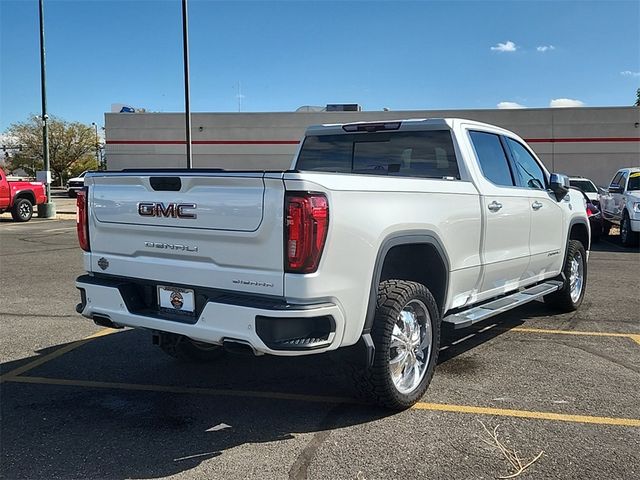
593 142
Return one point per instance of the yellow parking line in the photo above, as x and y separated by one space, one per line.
440 407
502 412
177 389
632 336
55 354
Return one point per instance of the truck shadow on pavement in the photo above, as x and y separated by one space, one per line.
80 431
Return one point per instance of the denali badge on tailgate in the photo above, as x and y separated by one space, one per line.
159 209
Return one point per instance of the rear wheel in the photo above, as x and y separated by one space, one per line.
628 238
22 210
406 335
570 296
189 350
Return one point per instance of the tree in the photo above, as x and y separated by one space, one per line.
72 146
638 97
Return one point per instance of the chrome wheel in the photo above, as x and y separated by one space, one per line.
410 347
576 277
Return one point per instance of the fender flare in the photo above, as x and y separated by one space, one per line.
572 223
409 237
29 194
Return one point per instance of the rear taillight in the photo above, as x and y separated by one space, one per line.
306 225
82 220
589 212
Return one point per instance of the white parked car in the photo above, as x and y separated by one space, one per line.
620 205
587 186
76 183
378 234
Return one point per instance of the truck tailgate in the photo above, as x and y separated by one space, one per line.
215 230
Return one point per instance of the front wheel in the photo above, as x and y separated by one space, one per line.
406 335
628 237
570 296
22 210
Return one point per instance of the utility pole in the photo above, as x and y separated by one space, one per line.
45 210
187 107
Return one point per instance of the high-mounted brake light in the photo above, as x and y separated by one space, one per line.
82 219
371 127
306 225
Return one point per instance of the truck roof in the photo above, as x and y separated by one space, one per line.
398 125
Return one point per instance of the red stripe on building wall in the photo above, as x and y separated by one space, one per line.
296 142
204 142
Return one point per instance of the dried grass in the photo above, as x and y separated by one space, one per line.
517 463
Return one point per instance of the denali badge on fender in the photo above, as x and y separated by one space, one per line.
159 209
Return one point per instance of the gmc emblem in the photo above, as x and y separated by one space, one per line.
173 210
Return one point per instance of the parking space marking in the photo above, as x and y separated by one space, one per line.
439 407
55 354
502 412
185 390
633 336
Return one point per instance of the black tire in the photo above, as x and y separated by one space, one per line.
22 210
628 238
606 226
188 350
376 383
563 299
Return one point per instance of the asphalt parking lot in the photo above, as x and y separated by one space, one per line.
79 401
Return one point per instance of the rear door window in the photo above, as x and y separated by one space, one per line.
424 154
492 158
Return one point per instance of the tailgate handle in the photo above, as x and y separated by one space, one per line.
166 184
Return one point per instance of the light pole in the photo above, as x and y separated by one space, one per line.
187 108
97 144
45 210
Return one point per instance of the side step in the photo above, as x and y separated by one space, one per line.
467 318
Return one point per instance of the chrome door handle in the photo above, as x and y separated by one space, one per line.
536 205
494 206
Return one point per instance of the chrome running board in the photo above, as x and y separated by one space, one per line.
466 318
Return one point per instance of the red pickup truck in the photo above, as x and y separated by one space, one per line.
20 197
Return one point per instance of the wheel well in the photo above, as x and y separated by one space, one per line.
420 263
579 232
28 195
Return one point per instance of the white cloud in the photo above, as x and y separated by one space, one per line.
509 46
629 73
509 105
565 102
544 48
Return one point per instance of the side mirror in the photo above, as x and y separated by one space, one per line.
615 188
559 185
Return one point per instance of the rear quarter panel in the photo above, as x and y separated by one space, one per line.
366 210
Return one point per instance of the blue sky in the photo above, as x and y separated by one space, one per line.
400 55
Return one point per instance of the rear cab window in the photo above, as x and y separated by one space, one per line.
419 153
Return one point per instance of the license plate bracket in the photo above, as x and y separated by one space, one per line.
176 300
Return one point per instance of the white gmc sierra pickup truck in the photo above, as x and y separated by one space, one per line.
377 235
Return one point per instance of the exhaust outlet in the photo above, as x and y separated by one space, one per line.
242 347
105 321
